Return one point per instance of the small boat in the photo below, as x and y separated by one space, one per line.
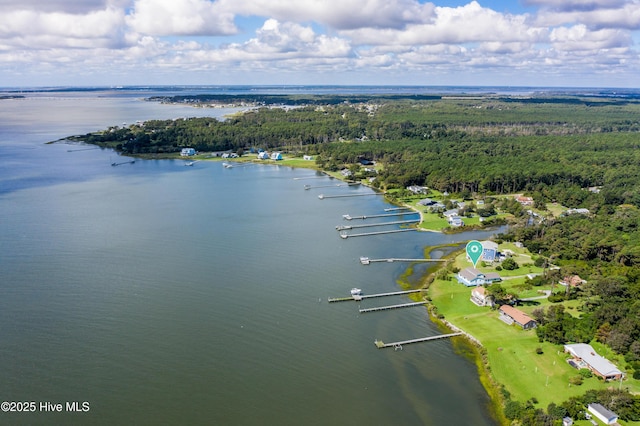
356 292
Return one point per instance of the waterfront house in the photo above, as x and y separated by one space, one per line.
455 221
263 155
489 251
511 315
608 417
426 202
584 355
187 152
276 156
474 277
480 297
450 213
307 157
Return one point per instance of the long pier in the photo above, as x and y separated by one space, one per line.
322 196
349 217
123 162
307 187
368 225
364 234
398 345
366 261
385 308
313 177
371 296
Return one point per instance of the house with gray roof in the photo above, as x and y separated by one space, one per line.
608 417
474 277
584 355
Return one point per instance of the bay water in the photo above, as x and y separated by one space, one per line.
155 293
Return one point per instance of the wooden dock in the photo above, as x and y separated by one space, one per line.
369 225
398 345
307 187
364 234
313 177
371 296
123 162
366 261
371 216
322 196
386 308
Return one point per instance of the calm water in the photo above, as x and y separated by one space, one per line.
164 294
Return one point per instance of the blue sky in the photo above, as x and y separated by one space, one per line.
577 43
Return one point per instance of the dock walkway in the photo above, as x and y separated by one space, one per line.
385 308
358 297
398 345
322 196
366 261
371 216
369 225
364 234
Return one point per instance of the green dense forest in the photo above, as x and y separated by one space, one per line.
575 151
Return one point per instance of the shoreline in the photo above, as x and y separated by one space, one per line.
472 348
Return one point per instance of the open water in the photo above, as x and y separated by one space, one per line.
162 294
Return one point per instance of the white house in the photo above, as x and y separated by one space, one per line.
187 152
480 297
450 213
276 156
585 355
604 415
473 277
263 155
455 221
307 157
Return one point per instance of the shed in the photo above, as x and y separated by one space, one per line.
603 414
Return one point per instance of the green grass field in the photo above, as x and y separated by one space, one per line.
512 352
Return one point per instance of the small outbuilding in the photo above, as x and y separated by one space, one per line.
603 414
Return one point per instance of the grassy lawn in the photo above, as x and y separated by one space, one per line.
512 353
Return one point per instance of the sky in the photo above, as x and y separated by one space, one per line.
556 43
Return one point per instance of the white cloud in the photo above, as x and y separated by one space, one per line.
578 5
627 16
579 38
34 30
469 23
337 14
180 18
390 38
